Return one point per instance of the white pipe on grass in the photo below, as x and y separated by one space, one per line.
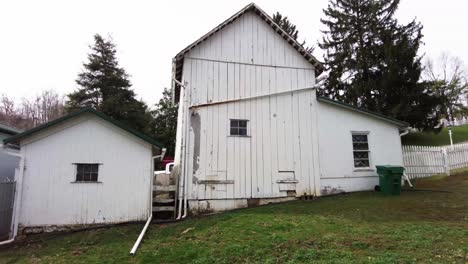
142 234
6 241
140 237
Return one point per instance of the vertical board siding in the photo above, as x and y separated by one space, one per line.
249 40
252 164
247 59
426 161
213 81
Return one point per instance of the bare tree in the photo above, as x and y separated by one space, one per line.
32 112
7 108
449 80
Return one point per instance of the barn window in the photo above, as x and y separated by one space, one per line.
87 172
361 151
238 127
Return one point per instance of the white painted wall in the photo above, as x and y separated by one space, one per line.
286 132
336 150
246 59
50 196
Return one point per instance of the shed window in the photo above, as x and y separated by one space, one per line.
361 151
238 127
87 172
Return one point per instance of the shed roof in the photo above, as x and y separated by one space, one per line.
9 129
363 111
17 137
179 58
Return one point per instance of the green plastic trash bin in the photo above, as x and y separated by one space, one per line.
390 179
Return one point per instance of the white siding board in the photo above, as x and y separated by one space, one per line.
335 141
249 40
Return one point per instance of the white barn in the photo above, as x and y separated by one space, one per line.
82 169
251 129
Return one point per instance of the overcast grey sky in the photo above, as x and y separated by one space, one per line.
44 43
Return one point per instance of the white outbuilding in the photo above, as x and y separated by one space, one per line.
252 130
82 169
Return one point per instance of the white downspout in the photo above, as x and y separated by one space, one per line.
186 190
404 133
150 212
181 138
405 176
186 152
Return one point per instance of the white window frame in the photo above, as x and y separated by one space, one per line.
83 180
361 133
247 130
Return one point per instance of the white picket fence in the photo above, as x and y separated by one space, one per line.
424 161
456 122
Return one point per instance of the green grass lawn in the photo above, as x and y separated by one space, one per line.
460 134
366 227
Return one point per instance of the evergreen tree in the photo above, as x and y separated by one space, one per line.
373 62
289 28
106 87
165 122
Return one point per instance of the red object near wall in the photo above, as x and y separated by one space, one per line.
167 160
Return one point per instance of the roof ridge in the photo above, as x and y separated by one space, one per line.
79 112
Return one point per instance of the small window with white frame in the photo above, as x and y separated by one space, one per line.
361 152
87 172
238 127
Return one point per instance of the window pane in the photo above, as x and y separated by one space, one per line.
87 172
360 146
79 176
94 177
234 131
243 123
79 172
359 138
360 151
361 155
360 163
79 168
234 123
87 176
242 132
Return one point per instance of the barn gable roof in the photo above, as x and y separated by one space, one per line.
17 137
362 111
178 60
